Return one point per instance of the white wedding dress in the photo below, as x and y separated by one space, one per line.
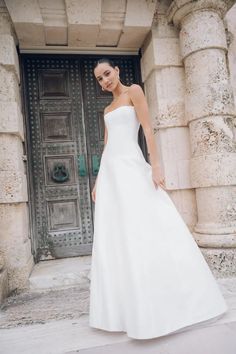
148 275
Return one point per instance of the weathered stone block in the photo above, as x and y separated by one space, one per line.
179 9
11 152
185 202
213 68
14 220
8 54
211 135
213 170
170 97
5 24
222 262
150 86
28 22
13 187
132 37
11 120
139 13
175 152
200 30
213 99
161 52
84 20
18 277
9 87
3 285
161 28
216 210
230 20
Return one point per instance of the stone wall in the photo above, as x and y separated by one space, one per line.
164 80
230 24
16 259
210 111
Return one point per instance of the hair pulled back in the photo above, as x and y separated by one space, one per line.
104 61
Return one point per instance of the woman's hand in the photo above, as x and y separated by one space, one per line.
158 177
94 193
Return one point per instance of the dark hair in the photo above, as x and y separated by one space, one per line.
104 60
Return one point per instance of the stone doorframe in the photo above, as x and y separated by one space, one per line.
191 106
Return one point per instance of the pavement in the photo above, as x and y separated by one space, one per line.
55 321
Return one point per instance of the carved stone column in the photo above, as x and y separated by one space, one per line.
209 108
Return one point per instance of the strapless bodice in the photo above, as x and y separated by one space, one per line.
122 126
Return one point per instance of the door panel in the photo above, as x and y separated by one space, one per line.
65 128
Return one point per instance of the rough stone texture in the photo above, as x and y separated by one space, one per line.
137 23
213 134
230 21
9 86
13 187
8 54
210 111
185 201
55 21
222 262
213 170
3 285
175 151
161 52
111 23
216 210
11 152
163 76
14 230
11 120
181 8
28 22
194 36
15 243
75 24
84 19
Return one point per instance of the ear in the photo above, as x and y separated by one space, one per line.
117 69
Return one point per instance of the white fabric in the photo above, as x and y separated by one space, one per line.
148 275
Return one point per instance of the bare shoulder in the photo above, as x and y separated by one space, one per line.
135 90
106 109
136 94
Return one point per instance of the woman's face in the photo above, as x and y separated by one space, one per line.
107 76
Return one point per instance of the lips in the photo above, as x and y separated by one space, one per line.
109 85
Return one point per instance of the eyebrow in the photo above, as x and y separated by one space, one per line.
103 73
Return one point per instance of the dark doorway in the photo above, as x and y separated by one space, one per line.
65 137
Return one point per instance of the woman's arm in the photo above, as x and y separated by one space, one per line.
141 107
105 141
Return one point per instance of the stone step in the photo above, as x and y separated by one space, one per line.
61 273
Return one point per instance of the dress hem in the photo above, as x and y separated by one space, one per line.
174 330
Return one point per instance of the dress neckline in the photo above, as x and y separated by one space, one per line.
118 108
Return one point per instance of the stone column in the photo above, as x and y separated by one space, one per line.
163 77
209 108
14 226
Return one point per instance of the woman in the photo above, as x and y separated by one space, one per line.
148 276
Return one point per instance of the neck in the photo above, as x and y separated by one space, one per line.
120 88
